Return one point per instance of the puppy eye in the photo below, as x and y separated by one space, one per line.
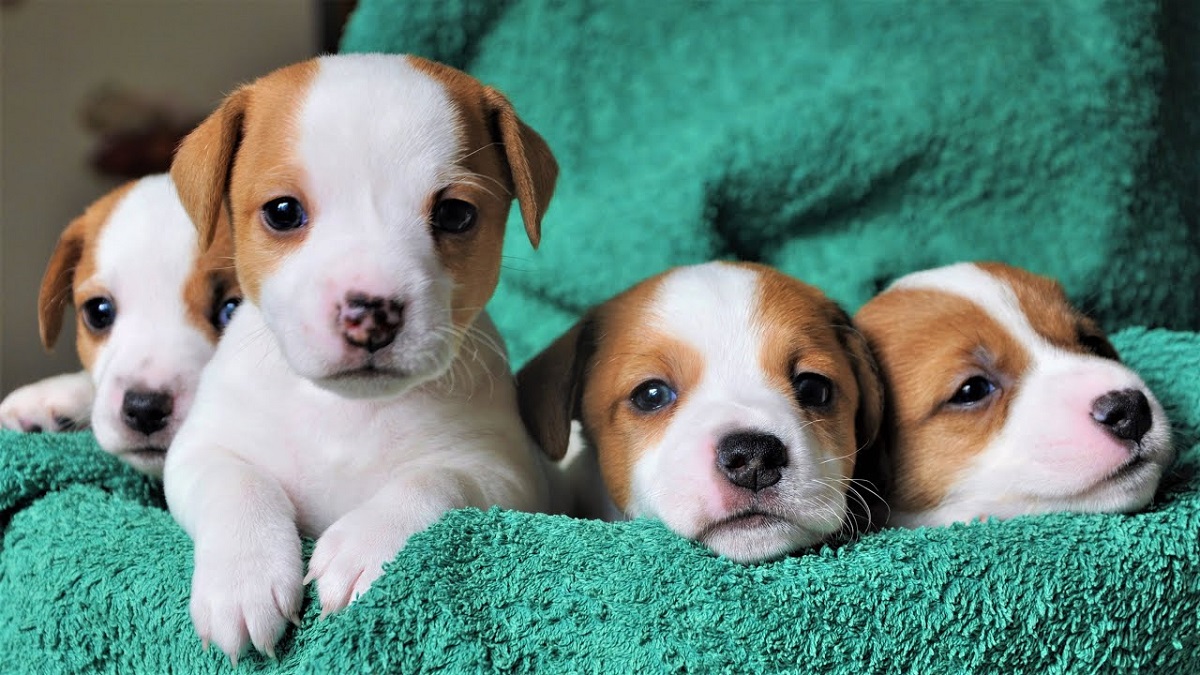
224 313
454 216
99 314
652 395
812 390
972 390
284 214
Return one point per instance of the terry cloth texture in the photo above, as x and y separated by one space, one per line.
94 577
847 143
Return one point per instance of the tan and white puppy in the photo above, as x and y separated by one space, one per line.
149 309
726 399
361 391
1005 400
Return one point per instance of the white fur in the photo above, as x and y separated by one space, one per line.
712 308
144 253
275 449
1050 454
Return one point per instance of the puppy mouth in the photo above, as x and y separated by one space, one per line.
743 521
148 452
1129 470
369 371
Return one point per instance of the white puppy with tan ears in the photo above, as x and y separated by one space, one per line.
149 306
361 391
1005 400
727 400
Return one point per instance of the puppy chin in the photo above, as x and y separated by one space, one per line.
758 538
144 453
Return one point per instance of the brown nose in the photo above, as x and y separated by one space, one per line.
370 322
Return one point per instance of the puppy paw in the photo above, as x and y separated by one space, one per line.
350 556
61 403
243 594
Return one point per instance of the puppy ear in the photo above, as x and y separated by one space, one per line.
203 162
530 162
550 388
872 467
59 277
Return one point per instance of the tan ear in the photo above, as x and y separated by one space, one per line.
872 466
530 162
550 388
58 279
203 161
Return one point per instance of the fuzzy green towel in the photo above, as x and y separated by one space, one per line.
848 143
94 577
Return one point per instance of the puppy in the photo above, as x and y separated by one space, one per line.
727 400
1005 400
361 391
149 306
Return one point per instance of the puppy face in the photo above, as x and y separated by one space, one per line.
1007 400
727 400
368 196
149 310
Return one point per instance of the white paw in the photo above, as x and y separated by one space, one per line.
245 593
350 556
58 403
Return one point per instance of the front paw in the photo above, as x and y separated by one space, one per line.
243 594
60 403
350 556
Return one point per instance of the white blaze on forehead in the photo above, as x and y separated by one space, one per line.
712 307
377 137
995 297
146 250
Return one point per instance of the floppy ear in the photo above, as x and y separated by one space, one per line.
203 162
530 162
550 388
55 293
872 465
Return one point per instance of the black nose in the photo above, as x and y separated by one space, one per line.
370 322
751 459
1125 413
147 411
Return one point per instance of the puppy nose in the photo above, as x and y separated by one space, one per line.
751 459
146 411
1125 413
370 322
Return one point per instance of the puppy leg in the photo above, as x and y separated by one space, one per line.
247 580
350 554
59 403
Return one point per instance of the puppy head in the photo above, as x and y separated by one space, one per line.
150 308
728 400
1006 400
368 196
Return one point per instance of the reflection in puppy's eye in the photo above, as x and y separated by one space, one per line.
223 313
284 214
812 390
99 313
652 396
972 391
454 216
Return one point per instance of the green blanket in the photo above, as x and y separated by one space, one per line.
846 142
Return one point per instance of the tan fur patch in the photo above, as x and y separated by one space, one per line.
626 355
212 280
67 275
798 326
489 180
248 146
1048 310
928 343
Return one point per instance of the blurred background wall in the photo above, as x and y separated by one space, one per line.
55 55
